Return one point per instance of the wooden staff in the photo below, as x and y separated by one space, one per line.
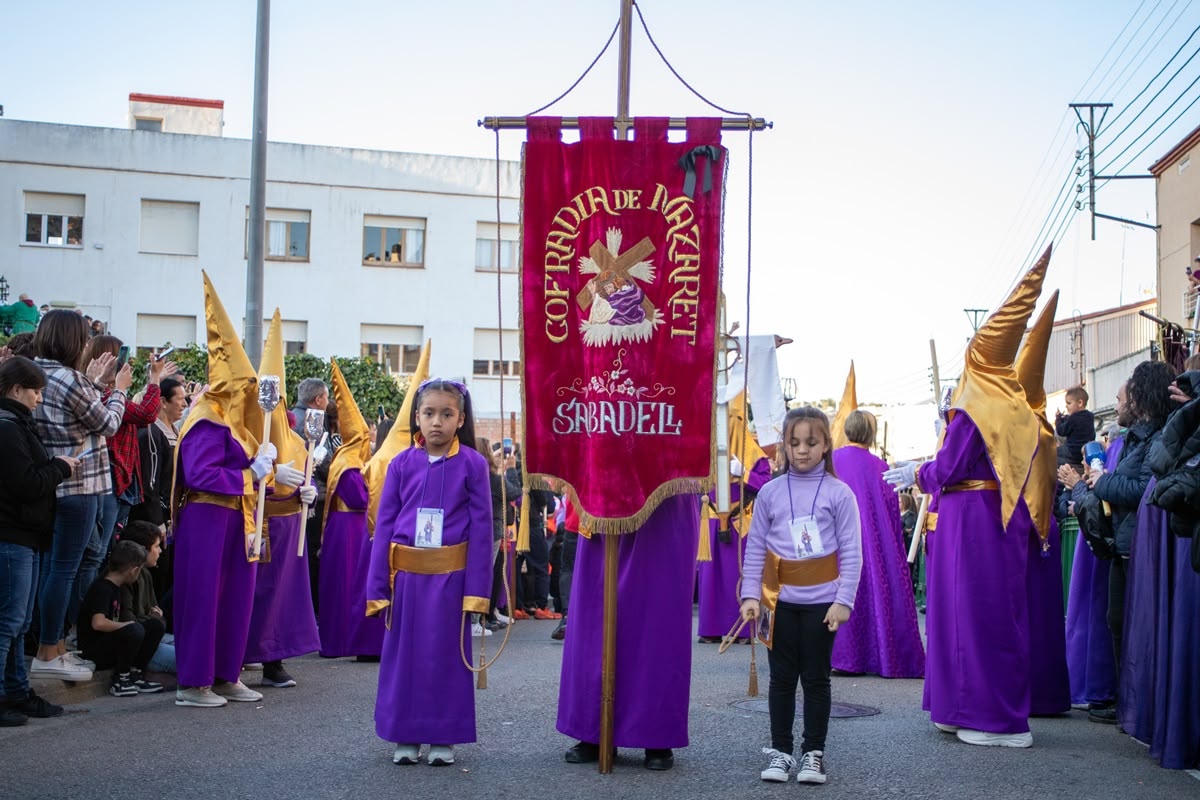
314 427
918 529
268 398
608 658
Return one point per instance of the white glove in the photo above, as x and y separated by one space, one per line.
902 476
261 466
287 475
308 494
735 467
319 454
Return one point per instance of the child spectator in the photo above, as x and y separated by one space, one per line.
1077 426
139 600
127 646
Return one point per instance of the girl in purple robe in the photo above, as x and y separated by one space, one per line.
431 564
804 599
883 638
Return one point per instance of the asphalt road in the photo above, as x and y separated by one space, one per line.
317 741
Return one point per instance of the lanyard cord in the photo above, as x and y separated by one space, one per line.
791 510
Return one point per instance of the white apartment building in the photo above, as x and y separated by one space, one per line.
368 252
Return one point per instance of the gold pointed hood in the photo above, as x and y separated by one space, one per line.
398 440
291 445
355 451
742 441
991 396
1031 372
849 403
231 399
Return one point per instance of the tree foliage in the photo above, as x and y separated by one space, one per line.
370 384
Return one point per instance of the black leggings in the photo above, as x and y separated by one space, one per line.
801 653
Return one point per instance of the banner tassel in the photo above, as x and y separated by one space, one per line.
481 681
523 529
752 690
705 551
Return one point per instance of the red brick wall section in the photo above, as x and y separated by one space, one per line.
496 429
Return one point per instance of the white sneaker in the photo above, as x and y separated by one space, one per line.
237 692
441 755
59 667
198 697
812 767
253 666
406 754
501 618
946 728
780 767
478 630
77 658
985 739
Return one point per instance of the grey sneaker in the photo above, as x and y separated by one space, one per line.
812 767
406 754
441 755
779 768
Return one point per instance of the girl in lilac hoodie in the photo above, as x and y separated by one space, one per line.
803 558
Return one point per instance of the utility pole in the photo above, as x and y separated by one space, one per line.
258 190
976 317
937 378
1092 128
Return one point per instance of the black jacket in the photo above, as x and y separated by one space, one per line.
158 471
1175 461
1124 486
28 478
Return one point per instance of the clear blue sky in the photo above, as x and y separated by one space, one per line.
917 146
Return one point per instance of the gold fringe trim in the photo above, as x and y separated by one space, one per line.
523 529
609 526
704 553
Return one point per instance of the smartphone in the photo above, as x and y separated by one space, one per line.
163 355
122 356
508 446
381 414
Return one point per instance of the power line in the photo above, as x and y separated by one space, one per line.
1157 75
1109 92
1150 127
1163 132
1157 94
1096 68
1131 38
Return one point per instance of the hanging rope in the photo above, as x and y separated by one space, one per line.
578 80
675 72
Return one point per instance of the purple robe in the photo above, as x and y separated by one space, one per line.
214 583
718 579
426 694
977 658
1091 664
1159 693
1049 687
882 636
654 633
627 307
283 624
345 558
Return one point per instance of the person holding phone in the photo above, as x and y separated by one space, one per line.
124 454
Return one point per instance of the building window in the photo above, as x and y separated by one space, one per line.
170 227
147 124
393 242
55 220
155 331
287 235
487 361
396 347
294 334
489 253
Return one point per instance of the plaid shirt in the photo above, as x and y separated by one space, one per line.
73 414
123 447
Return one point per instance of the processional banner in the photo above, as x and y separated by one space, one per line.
619 300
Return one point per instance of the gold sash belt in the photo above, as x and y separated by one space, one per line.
972 486
428 560
212 498
779 572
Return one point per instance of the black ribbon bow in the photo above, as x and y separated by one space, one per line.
711 153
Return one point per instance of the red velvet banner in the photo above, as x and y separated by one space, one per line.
620 280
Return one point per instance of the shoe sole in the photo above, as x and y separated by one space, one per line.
133 693
441 762
406 761
278 684
194 704
76 677
811 779
775 777
151 691
242 699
